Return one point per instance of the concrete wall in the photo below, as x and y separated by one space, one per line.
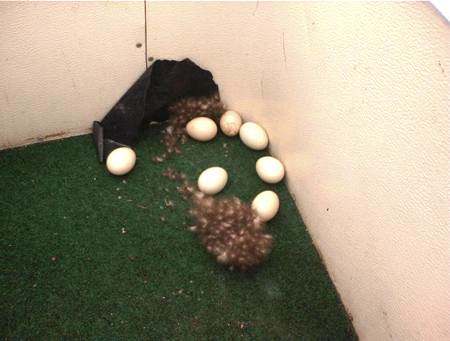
355 97
64 64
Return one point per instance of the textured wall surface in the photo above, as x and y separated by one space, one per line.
63 65
355 97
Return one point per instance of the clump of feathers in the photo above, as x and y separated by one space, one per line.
181 112
228 228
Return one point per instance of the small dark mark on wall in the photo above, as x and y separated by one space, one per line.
151 59
387 323
328 209
139 45
440 65
45 137
60 134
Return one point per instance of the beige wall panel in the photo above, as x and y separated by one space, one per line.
64 64
355 97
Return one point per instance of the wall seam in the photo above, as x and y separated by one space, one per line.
145 34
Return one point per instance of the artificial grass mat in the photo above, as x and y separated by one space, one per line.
86 254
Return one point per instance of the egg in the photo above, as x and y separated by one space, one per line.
230 123
269 169
201 129
266 205
212 180
121 161
254 136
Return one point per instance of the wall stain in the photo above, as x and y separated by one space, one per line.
59 134
46 137
442 68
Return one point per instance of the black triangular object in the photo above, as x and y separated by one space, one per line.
165 82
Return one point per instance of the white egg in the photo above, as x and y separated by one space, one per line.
121 160
212 180
254 136
269 169
201 129
266 205
230 123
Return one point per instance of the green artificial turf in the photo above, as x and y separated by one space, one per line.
86 254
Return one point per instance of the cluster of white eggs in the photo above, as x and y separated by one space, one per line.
213 180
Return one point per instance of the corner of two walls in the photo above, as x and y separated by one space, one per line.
64 65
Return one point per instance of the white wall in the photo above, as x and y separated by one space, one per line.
63 65
355 97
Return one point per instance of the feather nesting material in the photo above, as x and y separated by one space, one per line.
228 228
181 113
